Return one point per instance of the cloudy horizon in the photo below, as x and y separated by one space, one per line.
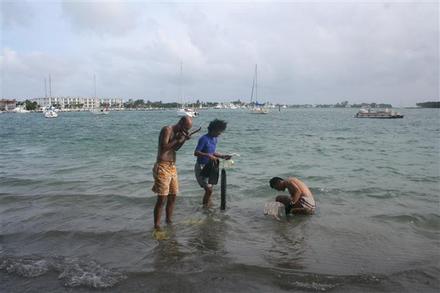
307 53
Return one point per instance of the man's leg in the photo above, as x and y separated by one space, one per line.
170 208
284 199
158 210
207 196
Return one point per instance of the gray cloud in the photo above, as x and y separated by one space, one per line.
113 18
15 13
306 53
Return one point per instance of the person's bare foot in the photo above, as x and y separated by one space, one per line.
208 205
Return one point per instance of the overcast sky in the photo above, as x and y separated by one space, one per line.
321 52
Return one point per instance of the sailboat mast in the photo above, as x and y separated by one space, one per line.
181 84
50 90
94 92
256 84
45 88
253 85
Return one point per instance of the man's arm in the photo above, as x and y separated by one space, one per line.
201 154
175 143
296 194
226 157
181 139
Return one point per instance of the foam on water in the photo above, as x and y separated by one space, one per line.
72 272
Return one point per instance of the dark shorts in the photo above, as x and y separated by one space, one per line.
203 181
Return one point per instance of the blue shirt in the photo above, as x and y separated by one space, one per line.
206 144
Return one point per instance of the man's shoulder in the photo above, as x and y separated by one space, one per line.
293 181
203 137
167 128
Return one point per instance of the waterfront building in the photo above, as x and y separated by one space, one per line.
79 103
7 105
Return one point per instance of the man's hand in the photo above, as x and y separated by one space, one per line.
212 157
182 136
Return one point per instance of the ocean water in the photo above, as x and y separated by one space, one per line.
76 205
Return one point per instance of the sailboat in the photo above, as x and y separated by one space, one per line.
256 108
185 111
98 110
49 111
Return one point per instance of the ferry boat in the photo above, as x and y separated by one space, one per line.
378 114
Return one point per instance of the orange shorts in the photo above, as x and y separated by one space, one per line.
165 178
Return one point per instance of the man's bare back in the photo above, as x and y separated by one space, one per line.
301 198
294 185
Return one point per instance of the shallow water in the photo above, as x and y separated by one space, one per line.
76 207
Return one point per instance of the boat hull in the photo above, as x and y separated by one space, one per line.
379 117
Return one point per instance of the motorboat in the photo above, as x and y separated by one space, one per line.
21 109
378 114
187 112
258 110
100 111
50 112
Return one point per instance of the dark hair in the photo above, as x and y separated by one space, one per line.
274 181
217 125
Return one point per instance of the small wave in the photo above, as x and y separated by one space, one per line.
73 272
70 169
14 181
426 221
76 198
423 179
376 192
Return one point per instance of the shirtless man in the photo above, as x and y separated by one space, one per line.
301 200
166 184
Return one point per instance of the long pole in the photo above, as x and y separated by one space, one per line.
223 190
45 88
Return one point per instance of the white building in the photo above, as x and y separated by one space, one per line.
79 103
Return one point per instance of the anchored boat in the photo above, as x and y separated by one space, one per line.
378 114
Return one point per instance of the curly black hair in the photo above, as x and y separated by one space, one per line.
217 125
